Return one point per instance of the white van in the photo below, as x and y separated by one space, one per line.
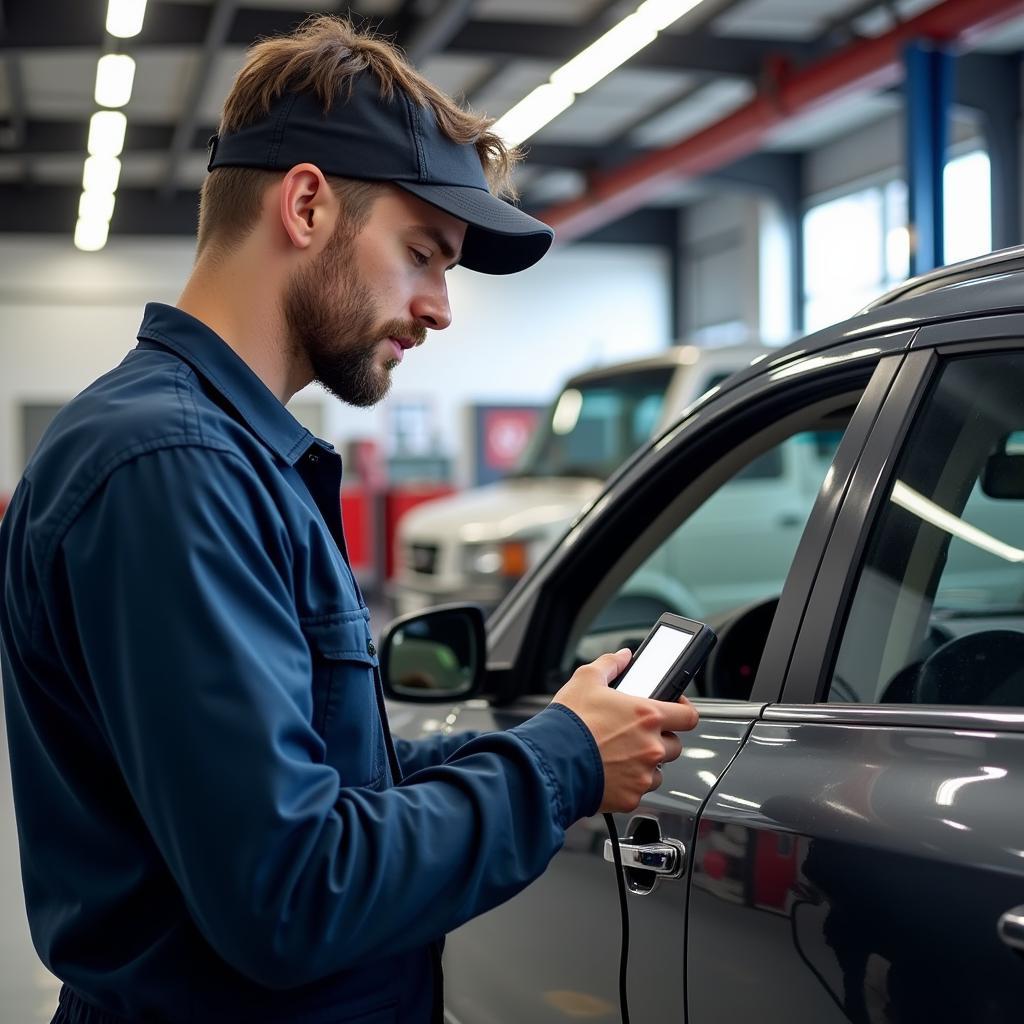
473 546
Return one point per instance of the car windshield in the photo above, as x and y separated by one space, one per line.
594 426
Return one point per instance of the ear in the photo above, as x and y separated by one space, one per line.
307 206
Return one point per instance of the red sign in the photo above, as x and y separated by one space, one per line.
506 434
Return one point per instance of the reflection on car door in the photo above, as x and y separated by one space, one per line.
862 858
551 953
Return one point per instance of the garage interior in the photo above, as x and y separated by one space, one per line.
725 172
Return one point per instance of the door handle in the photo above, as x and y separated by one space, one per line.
1011 928
666 858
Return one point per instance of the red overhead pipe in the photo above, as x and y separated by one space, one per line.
867 64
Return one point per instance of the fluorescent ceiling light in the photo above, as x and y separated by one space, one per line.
124 17
602 57
96 206
101 174
91 235
115 74
529 115
587 68
106 133
919 505
660 14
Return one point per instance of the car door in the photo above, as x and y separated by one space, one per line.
862 858
552 951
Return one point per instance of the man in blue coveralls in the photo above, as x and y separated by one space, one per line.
215 823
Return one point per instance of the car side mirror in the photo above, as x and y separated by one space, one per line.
434 656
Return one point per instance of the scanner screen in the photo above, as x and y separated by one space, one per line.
649 669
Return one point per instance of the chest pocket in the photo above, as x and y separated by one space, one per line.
345 710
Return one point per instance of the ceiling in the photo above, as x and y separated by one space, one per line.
491 53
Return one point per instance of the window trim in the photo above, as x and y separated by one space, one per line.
814 543
809 673
840 568
925 716
709 707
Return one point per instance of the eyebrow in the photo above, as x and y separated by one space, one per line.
442 243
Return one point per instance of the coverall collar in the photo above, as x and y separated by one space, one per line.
210 356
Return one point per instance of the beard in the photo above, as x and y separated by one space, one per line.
331 318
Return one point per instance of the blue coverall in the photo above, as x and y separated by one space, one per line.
215 823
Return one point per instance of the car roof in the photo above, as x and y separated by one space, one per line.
979 268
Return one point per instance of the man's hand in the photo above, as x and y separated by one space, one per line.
634 735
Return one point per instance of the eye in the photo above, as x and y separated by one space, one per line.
421 259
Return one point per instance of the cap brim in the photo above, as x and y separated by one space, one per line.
500 238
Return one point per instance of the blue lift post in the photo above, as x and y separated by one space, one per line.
929 87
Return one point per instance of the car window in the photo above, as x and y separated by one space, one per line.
937 616
725 560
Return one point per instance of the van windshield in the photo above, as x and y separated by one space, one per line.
592 427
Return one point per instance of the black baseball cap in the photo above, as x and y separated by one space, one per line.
373 138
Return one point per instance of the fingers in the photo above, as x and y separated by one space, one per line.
610 666
673 746
678 717
673 749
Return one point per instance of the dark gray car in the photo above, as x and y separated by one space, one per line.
851 805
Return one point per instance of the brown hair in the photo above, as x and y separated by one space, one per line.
321 56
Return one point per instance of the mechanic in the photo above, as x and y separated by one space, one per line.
215 823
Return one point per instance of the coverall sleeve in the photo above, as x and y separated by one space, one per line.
202 679
414 755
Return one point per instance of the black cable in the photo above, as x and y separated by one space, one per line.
613 835
803 956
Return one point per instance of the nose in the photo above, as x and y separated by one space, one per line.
431 308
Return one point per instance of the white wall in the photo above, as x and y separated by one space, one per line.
67 316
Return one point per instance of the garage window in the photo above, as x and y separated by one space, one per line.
854 249
856 246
